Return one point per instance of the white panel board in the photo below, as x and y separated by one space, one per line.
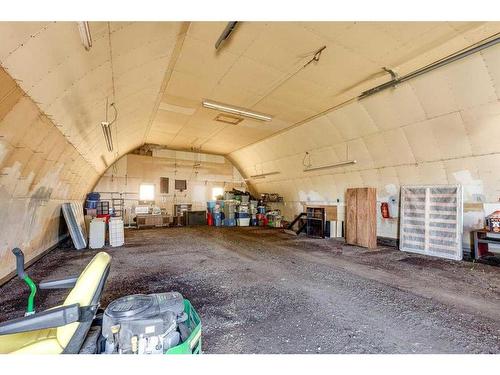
431 220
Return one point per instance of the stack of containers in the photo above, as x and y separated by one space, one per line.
116 233
261 215
217 213
229 213
210 212
228 196
252 210
91 203
274 218
242 216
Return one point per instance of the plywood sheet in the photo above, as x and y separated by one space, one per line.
351 236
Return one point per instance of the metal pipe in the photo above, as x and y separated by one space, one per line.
263 175
341 164
428 68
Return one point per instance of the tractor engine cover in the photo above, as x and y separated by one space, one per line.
143 324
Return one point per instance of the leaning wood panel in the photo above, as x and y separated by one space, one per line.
350 217
362 217
371 225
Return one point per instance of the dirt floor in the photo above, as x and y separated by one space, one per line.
262 291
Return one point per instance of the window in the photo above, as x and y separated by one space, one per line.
147 192
163 185
216 191
180 185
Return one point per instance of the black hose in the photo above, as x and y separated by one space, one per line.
19 262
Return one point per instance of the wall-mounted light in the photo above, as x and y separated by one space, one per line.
341 164
236 110
84 29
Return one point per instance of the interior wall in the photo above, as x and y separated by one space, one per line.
439 128
39 170
132 170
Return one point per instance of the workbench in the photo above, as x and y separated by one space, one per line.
150 220
482 238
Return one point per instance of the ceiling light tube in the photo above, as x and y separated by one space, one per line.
341 164
225 33
263 175
84 29
236 110
106 130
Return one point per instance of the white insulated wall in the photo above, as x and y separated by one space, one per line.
440 128
133 170
39 170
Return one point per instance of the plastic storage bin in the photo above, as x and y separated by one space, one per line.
217 217
89 204
229 222
193 343
243 222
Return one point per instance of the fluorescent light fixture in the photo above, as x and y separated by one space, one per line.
263 175
225 33
236 110
84 29
341 164
106 130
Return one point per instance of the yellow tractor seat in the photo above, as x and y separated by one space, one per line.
61 329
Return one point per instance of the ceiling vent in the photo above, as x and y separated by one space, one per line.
228 119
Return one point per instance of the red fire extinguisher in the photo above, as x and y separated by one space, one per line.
384 208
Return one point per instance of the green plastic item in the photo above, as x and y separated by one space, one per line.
31 299
193 343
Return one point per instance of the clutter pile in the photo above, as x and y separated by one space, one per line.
237 208
98 224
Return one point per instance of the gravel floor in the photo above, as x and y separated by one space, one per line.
262 291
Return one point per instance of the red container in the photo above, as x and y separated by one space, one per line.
104 217
384 208
210 219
